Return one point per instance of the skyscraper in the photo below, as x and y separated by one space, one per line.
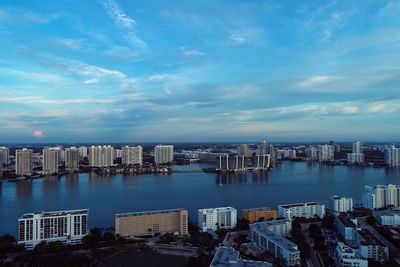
377 197
356 156
23 162
326 153
72 159
6 155
341 204
393 195
132 155
51 158
163 154
263 148
392 156
243 150
83 152
101 156
312 152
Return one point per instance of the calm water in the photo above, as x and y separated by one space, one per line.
108 195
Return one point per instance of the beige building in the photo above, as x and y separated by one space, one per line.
256 214
152 222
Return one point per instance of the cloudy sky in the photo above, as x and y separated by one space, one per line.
159 71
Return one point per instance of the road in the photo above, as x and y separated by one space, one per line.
314 260
394 251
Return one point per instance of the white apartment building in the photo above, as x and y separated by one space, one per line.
132 155
280 227
312 152
101 156
389 218
305 210
72 159
357 155
83 152
51 158
163 154
392 156
380 196
326 153
348 257
217 218
23 162
341 204
68 226
228 256
281 248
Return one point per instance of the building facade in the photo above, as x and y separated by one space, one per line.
357 155
68 226
163 154
256 214
51 159
326 153
101 156
341 204
148 223
228 256
132 155
348 257
72 159
217 218
392 156
304 210
23 162
5 151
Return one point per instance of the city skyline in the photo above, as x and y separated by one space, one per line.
199 71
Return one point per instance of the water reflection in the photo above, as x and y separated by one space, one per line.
72 181
95 178
230 178
132 179
1 189
24 188
260 176
50 184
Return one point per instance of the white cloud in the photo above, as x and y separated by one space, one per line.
237 38
192 53
24 17
37 134
118 15
69 43
314 81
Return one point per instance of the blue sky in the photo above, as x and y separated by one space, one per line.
167 71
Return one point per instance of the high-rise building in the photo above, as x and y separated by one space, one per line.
260 162
72 159
51 158
393 195
256 214
326 153
163 154
23 162
263 148
289 153
101 156
357 155
132 155
312 152
68 226
392 156
231 163
6 155
341 204
303 210
152 222
83 152
375 197
243 150
217 218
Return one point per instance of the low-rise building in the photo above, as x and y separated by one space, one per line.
346 227
371 248
348 257
147 223
217 218
256 214
228 256
68 226
304 210
279 227
389 218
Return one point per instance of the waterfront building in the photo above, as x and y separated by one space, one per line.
303 210
101 156
389 218
377 197
72 159
280 247
217 218
326 153
348 257
261 162
289 153
51 159
163 154
392 156
1 164
231 163
207 156
83 152
148 223
5 151
68 226
312 153
228 256
132 155
263 148
243 150
393 195
271 153
23 162
256 214
341 204
356 156
278 154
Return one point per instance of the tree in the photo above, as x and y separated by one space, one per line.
7 244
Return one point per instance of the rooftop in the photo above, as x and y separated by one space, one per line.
262 226
227 256
346 221
258 209
54 213
369 238
152 212
298 205
277 239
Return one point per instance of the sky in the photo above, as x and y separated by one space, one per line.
199 71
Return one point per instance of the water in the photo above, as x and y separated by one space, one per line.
107 195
